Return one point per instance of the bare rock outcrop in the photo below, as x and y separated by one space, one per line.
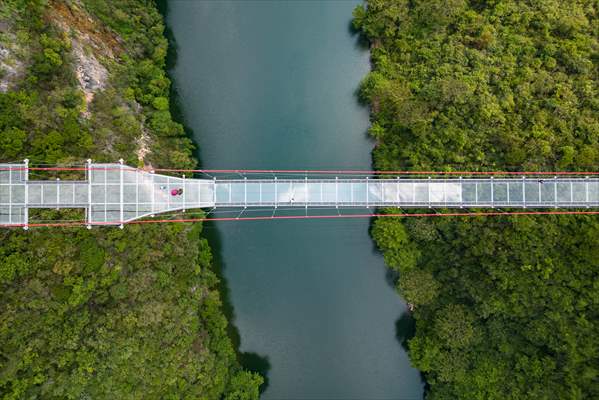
11 66
91 74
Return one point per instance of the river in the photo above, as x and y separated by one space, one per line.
271 85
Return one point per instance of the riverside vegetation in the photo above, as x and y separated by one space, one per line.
105 313
505 308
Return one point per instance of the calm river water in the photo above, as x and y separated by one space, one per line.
271 85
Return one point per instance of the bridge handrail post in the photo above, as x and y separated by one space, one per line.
555 191
306 194
10 172
445 191
523 192
245 192
121 193
336 191
105 194
461 192
429 192
26 208
367 194
57 194
168 197
200 193
88 173
136 193
492 192
214 191
184 193
277 193
586 191
153 194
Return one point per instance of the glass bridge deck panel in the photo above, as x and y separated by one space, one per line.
390 192
268 192
421 193
341 193
13 209
406 192
500 190
285 193
333 191
374 191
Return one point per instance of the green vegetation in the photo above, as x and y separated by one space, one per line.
119 314
505 308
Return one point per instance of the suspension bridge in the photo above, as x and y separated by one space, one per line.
116 194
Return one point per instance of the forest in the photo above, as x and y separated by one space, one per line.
505 307
102 313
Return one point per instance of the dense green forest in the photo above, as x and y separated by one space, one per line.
102 313
505 308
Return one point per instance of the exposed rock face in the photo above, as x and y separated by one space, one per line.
143 146
91 45
11 68
90 73
94 48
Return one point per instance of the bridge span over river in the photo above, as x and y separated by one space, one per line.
116 194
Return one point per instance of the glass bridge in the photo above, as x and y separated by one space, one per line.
114 194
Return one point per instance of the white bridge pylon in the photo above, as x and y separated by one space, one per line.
114 194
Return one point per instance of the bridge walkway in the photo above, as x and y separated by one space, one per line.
116 194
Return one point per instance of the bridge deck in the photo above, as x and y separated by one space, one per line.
115 194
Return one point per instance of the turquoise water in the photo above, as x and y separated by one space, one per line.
272 85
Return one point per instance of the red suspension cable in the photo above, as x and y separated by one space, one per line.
305 171
293 217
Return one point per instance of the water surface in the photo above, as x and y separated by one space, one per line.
271 85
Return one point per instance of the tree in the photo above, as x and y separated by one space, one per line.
244 386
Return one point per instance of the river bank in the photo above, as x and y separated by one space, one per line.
102 313
504 306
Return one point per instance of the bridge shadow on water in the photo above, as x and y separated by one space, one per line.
248 360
